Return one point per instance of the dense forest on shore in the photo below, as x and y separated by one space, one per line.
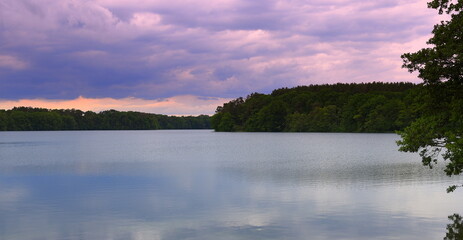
37 119
355 107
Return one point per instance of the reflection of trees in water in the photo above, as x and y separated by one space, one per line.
455 229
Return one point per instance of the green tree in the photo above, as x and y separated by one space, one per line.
454 229
364 107
19 121
298 122
438 131
3 120
272 117
323 119
226 124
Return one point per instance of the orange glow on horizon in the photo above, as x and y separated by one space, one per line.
178 105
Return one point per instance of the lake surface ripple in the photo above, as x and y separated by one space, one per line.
200 184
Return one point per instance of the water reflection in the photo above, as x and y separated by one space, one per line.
205 185
455 229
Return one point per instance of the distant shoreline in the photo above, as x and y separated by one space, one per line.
42 119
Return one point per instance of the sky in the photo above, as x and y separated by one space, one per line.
185 57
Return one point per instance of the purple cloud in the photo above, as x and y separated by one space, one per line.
226 48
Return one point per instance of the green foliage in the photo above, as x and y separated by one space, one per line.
438 131
38 119
271 118
365 107
226 124
443 61
455 229
3 120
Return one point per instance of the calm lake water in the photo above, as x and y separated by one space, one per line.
206 185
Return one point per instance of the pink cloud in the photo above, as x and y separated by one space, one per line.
225 48
11 62
178 105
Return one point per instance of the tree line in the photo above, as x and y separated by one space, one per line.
355 107
37 119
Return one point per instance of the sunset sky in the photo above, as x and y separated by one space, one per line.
185 57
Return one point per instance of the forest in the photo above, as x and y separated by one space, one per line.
38 119
355 107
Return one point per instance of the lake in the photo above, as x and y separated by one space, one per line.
199 184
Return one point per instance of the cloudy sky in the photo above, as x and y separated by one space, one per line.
187 57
